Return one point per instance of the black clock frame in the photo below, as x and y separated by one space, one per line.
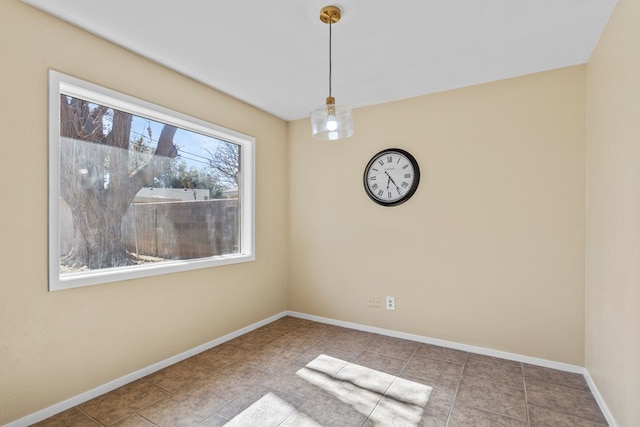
414 185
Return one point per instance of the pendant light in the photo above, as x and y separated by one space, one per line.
331 121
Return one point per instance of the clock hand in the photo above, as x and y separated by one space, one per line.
394 183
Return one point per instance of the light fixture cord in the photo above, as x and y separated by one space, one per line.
330 23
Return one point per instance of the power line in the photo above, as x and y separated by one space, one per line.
180 150
194 160
196 155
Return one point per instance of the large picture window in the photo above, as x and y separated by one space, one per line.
137 190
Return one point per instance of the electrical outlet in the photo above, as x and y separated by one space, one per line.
377 301
391 303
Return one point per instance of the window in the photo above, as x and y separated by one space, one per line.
138 190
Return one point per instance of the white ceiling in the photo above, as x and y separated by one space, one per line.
274 54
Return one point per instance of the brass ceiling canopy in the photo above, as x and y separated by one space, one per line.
330 14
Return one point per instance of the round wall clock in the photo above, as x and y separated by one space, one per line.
391 177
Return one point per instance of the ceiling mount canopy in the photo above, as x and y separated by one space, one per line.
331 121
330 14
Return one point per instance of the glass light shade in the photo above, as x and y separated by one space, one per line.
331 122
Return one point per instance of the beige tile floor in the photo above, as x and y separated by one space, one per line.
295 372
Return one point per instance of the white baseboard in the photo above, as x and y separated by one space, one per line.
442 343
596 394
119 382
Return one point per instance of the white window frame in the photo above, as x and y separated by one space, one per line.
67 85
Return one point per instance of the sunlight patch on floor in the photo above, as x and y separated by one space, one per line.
394 401
385 399
270 410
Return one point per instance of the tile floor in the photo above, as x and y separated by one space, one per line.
295 372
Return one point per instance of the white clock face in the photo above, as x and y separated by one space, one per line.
391 177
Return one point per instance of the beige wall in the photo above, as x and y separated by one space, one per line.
613 215
56 345
490 250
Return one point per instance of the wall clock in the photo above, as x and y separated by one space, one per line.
391 177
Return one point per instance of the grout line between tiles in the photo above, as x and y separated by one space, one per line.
88 416
455 393
392 382
147 419
526 395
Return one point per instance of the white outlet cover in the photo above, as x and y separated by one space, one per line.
391 303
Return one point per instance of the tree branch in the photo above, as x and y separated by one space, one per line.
164 153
